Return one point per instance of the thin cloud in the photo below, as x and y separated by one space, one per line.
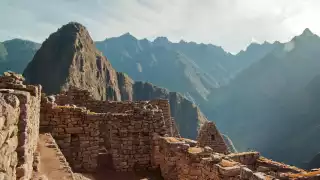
228 23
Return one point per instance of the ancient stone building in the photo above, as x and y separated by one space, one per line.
76 132
210 136
125 129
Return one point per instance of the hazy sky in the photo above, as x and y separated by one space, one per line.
232 24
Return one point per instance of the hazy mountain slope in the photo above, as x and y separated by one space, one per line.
3 52
15 54
144 61
198 68
267 106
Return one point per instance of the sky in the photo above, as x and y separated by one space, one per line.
232 24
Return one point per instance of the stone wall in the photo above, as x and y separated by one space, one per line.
76 131
170 123
209 136
83 98
9 116
124 129
20 106
131 138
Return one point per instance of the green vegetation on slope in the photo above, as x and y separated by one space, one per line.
15 54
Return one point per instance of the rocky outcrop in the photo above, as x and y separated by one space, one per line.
69 58
125 86
188 116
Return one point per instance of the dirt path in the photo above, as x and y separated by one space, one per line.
53 166
52 161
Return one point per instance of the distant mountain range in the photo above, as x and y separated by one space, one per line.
265 97
274 105
199 68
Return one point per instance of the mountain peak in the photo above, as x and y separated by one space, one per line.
305 36
307 32
70 33
128 36
69 58
72 27
161 41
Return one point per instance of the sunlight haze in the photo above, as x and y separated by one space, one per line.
232 24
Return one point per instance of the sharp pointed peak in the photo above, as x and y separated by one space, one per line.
307 32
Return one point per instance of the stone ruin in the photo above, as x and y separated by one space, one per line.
88 134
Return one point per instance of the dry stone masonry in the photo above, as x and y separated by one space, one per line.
124 129
209 136
19 124
134 136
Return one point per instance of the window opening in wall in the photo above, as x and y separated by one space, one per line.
213 137
74 150
74 138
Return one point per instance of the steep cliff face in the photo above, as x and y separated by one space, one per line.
182 110
69 57
125 84
146 91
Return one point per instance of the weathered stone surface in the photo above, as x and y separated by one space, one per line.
245 173
19 126
229 171
74 130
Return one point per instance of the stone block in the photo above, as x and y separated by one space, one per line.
74 130
229 171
